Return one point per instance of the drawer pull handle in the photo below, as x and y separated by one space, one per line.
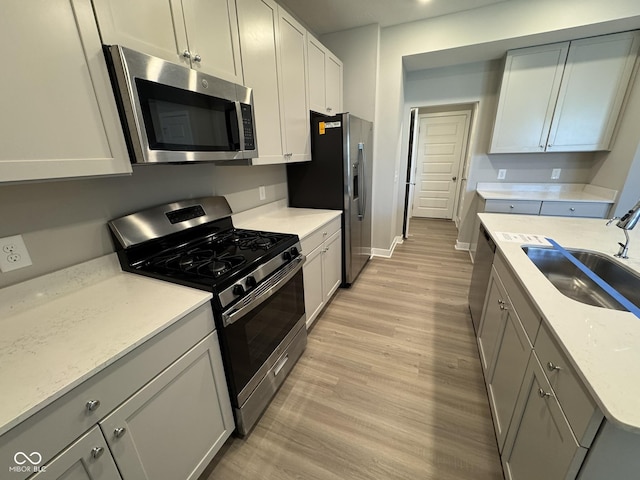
119 432
93 405
96 452
552 366
543 394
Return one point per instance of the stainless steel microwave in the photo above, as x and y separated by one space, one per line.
174 114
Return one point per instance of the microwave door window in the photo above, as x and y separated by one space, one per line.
179 120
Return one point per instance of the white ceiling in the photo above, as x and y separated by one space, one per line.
328 16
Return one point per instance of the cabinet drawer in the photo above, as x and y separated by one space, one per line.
315 238
519 299
56 426
575 209
581 411
523 207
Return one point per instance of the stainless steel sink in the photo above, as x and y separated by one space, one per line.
573 283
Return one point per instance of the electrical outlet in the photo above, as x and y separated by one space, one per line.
502 174
13 254
263 192
555 173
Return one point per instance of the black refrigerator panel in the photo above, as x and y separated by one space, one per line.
320 182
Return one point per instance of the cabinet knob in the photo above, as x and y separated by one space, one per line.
552 366
186 54
119 432
543 394
454 178
572 209
329 109
511 206
93 405
96 452
197 58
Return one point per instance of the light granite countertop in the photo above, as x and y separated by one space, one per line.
562 192
602 344
277 217
60 329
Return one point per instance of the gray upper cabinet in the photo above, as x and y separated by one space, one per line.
200 34
564 97
274 61
59 118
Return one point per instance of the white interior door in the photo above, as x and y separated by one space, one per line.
442 144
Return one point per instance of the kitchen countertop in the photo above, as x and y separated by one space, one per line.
564 192
60 329
602 344
277 217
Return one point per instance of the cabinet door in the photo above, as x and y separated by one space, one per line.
540 443
174 425
593 87
317 74
505 376
333 84
258 25
212 33
313 294
88 458
492 321
293 81
59 117
143 25
527 99
331 265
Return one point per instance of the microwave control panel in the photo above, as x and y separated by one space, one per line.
247 123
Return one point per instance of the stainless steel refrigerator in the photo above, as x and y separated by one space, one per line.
338 177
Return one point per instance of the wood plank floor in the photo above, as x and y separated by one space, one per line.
390 385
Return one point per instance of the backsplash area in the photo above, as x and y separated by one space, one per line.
64 222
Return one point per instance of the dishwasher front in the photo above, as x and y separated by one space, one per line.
480 277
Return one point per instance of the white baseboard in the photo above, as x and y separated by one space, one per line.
387 253
462 246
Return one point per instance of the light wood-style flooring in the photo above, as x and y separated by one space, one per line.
390 385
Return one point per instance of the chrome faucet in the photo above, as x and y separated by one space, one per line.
626 223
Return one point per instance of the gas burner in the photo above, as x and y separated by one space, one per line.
218 266
247 240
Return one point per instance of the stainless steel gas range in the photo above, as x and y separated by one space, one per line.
255 278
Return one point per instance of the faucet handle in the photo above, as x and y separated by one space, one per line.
611 220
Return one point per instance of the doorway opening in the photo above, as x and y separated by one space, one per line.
437 165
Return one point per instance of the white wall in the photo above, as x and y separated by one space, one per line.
478 83
462 38
620 168
64 222
358 49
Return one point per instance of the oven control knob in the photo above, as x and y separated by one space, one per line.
238 290
286 256
251 282
294 252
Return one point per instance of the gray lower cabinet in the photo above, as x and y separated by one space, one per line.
161 412
174 425
504 349
88 458
540 443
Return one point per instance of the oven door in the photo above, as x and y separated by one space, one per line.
257 332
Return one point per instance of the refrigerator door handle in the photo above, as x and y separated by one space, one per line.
362 199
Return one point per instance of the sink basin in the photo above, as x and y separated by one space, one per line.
573 283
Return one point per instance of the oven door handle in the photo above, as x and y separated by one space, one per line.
234 314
